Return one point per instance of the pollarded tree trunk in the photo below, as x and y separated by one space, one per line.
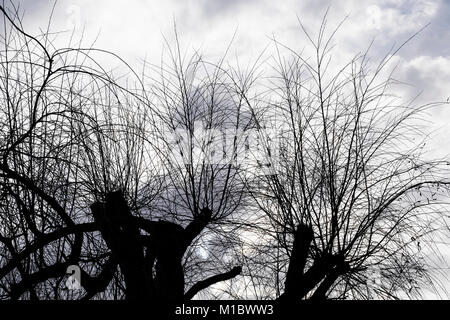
138 255
122 236
151 264
319 277
167 246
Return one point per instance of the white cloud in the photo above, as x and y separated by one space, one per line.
431 77
400 16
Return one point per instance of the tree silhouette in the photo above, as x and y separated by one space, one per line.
349 199
86 180
157 187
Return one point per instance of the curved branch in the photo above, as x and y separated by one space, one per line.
44 240
210 281
31 185
24 33
54 271
94 285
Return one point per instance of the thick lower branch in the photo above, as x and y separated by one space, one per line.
210 281
321 292
94 285
43 241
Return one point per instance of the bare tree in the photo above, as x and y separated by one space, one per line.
202 110
169 185
86 180
352 207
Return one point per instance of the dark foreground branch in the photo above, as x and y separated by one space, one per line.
210 281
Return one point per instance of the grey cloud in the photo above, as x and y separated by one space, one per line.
214 7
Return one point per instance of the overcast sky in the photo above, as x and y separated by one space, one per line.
134 29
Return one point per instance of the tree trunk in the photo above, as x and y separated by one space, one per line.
122 237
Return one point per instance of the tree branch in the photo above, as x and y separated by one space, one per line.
94 285
31 185
194 228
210 281
42 241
